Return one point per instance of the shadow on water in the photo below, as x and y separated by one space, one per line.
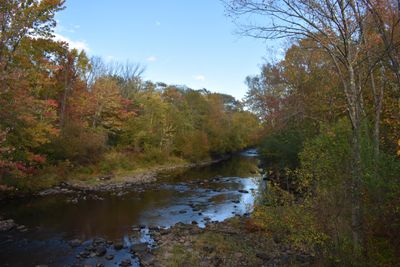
198 195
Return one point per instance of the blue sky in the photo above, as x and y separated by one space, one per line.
188 42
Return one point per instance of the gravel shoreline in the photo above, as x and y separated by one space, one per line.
107 182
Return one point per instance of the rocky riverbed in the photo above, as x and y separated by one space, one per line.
149 224
228 243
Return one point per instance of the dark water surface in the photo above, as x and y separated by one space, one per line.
200 195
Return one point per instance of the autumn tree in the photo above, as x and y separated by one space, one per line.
336 27
24 19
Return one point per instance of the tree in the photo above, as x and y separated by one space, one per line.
21 19
27 113
386 20
336 28
266 93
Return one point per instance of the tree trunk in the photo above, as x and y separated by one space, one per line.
355 115
378 97
64 98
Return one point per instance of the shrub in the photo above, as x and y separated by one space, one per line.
318 219
79 145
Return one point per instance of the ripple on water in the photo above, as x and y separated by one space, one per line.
198 195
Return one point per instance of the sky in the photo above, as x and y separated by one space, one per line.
182 42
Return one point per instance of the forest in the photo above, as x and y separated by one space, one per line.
330 115
65 114
325 118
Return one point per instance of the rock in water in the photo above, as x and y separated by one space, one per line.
125 263
98 241
154 228
118 245
7 225
109 257
140 248
100 251
75 243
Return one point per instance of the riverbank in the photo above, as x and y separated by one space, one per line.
234 242
115 182
106 182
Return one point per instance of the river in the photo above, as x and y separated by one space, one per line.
199 195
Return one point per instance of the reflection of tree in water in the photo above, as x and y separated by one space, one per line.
236 166
110 217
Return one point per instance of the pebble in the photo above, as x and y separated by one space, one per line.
109 257
75 243
100 251
125 263
154 228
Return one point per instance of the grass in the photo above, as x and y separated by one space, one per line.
118 164
182 258
214 248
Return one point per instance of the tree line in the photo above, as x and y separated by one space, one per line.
61 110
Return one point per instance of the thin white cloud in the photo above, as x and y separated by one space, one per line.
151 58
79 45
61 28
199 77
111 58
158 23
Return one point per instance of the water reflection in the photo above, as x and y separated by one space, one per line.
201 195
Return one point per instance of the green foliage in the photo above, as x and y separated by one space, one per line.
281 148
114 160
78 145
328 153
286 221
193 145
318 218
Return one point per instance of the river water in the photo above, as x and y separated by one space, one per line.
199 195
